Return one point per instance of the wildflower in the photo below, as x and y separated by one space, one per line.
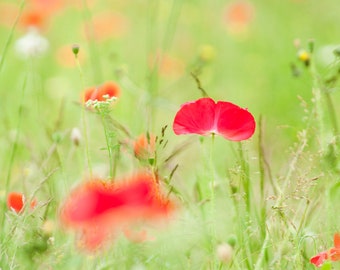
32 44
238 16
99 209
167 65
16 201
144 147
205 117
224 252
331 254
33 18
206 53
101 93
106 25
304 56
76 136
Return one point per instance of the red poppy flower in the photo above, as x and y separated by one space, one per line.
331 254
98 209
109 89
205 117
16 201
144 148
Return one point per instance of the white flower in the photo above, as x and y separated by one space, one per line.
32 44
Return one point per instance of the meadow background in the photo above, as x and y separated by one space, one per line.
150 49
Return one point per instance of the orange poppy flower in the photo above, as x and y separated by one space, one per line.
109 89
168 66
238 15
144 148
33 18
16 201
98 209
106 25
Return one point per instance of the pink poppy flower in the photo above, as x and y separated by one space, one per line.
205 117
331 254
98 209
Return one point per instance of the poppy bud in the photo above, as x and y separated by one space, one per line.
75 49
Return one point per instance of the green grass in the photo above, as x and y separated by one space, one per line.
275 197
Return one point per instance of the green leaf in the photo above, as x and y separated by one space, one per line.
326 266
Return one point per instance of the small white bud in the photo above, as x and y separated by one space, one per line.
76 136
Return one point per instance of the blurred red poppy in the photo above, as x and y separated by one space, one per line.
16 201
205 117
331 254
99 209
108 89
238 16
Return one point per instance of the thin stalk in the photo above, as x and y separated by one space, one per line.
9 39
332 113
247 198
292 168
94 57
14 147
212 187
108 144
87 152
263 211
262 255
245 177
166 43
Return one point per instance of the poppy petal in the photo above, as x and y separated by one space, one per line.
110 89
319 259
234 123
195 117
99 208
334 254
15 201
337 240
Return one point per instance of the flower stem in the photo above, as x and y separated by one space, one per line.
109 145
245 177
87 152
14 148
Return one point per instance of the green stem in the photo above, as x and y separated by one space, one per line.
94 56
212 187
332 113
245 177
108 144
166 43
87 152
9 39
14 147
